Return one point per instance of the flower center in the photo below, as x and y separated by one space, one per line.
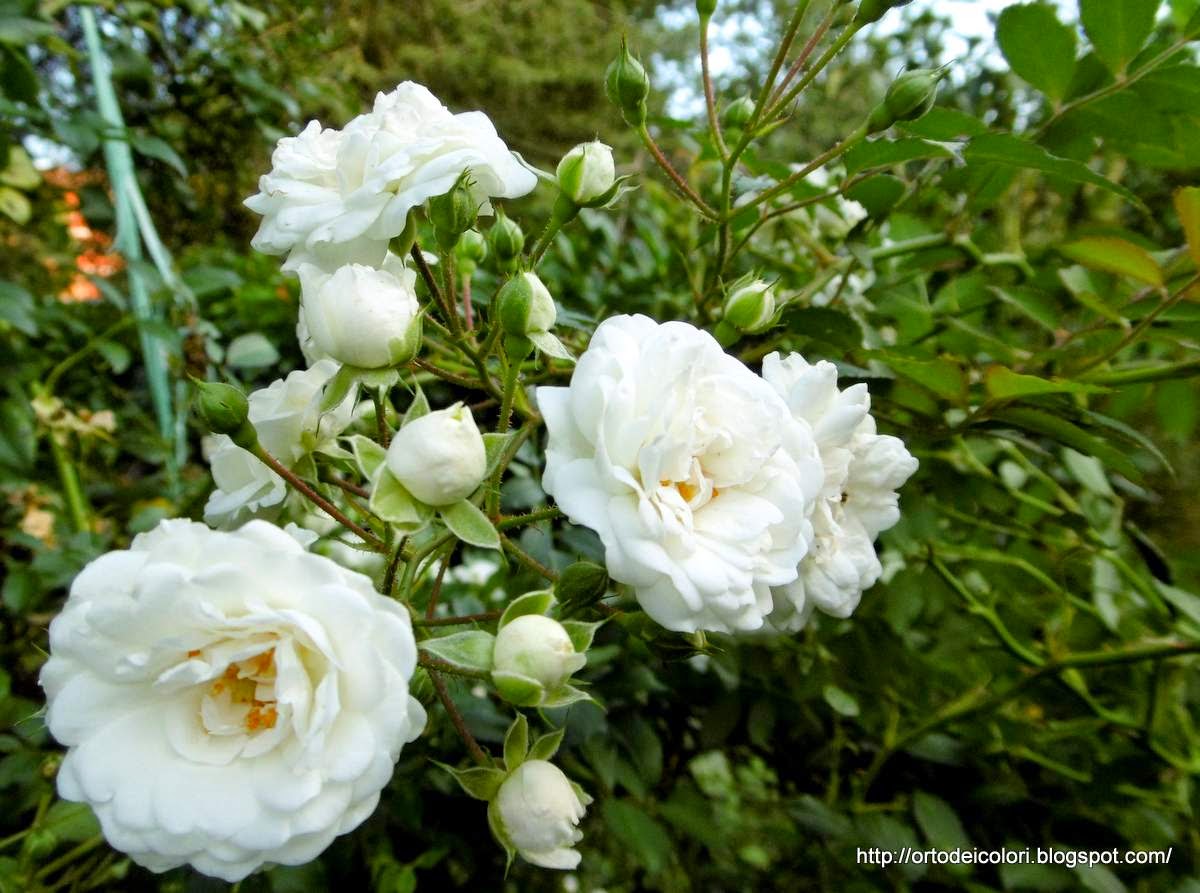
246 691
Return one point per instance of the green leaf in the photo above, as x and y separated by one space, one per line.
565 697
944 377
1117 28
394 504
1068 434
581 633
537 602
516 743
20 172
643 837
825 325
469 650
518 689
417 408
478 781
1004 384
15 205
17 308
877 194
1006 149
547 746
939 823
160 150
71 822
470 525
885 153
338 388
1039 48
1114 255
18 79
251 351
493 447
368 454
943 124
19 31
841 701
1187 205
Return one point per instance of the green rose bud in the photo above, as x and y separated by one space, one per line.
580 586
525 306
506 241
909 97
225 410
453 213
533 647
738 113
706 8
751 308
873 10
627 86
586 174
471 250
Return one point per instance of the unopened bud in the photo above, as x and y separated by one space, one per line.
873 10
471 250
909 97
535 647
453 213
525 306
628 86
506 241
580 586
751 307
706 8
224 409
738 113
586 174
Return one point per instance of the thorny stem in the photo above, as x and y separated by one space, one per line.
437 583
680 183
817 67
468 311
385 433
456 716
528 560
431 283
546 514
461 620
710 102
313 496
777 63
829 154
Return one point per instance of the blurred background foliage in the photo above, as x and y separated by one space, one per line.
1024 322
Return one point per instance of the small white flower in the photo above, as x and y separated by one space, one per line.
362 316
287 413
227 699
246 488
539 811
858 501
335 197
690 468
587 172
439 458
538 648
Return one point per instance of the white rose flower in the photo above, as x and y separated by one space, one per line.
338 196
227 699
862 472
308 347
287 413
440 457
246 488
587 172
360 315
539 811
689 466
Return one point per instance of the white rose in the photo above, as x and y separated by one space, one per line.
286 414
587 172
538 648
308 347
362 316
689 467
539 810
440 457
338 196
246 488
862 472
227 699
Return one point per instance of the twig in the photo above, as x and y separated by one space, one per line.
680 183
456 717
461 620
437 582
528 560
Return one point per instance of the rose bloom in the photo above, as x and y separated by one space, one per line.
227 699
286 415
858 501
697 478
539 810
338 196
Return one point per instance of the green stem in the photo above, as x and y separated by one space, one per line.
528 560
798 177
710 102
680 183
68 476
828 56
462 620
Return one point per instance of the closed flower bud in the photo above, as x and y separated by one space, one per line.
909 97
873 10
453 213
705 8
362 316
538 810
586 174
538 648
525 306
751 307
506 239
224 409
580 586
627 86
439 457
738 113
472 247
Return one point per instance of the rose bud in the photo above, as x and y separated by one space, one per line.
439 457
